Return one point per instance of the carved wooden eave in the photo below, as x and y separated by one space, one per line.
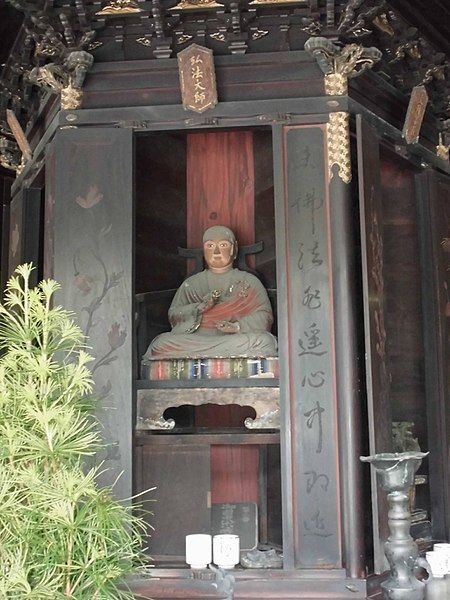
157 29
9 154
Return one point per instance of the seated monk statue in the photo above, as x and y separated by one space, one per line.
220 312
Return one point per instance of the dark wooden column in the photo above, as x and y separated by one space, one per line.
434 213
342 227
25 213
377 378
15 237
5 195
307 346
89 250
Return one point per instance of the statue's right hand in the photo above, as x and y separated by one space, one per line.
209 301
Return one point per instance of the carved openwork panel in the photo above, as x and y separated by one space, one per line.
152 403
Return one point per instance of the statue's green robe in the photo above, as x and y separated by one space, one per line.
194 335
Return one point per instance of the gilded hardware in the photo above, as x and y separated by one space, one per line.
338 142
336 84
71 98
196 5
441 149
67 79
218 36
348 61
184 38
119 7
144 41
339 64
278 2
95 45
259 33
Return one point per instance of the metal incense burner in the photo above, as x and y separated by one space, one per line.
396 476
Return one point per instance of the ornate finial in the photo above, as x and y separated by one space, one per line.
9 154
340 63
77 64
119 8
66 79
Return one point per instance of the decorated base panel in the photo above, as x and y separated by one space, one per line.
210 368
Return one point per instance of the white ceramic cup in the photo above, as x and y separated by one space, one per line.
444 549
226 550
438 562
198 550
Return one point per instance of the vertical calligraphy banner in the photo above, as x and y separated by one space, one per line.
308 375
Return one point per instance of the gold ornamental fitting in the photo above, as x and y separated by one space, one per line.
119 7
336 84
71 98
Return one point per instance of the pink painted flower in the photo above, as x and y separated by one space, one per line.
83 283
92 197
116 336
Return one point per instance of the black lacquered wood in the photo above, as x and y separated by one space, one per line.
307 350
89 230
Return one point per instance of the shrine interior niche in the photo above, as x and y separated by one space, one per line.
220 413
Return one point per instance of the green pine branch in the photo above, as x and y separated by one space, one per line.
61 535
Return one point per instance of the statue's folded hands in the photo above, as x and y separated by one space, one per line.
228 326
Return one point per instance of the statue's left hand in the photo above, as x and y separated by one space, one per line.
228 326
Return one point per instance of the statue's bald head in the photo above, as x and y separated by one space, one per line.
219 248
219 232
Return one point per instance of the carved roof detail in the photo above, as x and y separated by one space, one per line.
58 33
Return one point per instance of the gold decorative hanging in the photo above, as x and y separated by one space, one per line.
441 149
119 7
340 63
262 2
196 5
71 98
336 84
338 142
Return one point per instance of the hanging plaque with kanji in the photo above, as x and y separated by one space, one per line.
197 78
414 116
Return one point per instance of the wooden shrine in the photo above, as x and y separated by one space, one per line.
346 224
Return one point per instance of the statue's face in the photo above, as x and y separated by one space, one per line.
218 254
